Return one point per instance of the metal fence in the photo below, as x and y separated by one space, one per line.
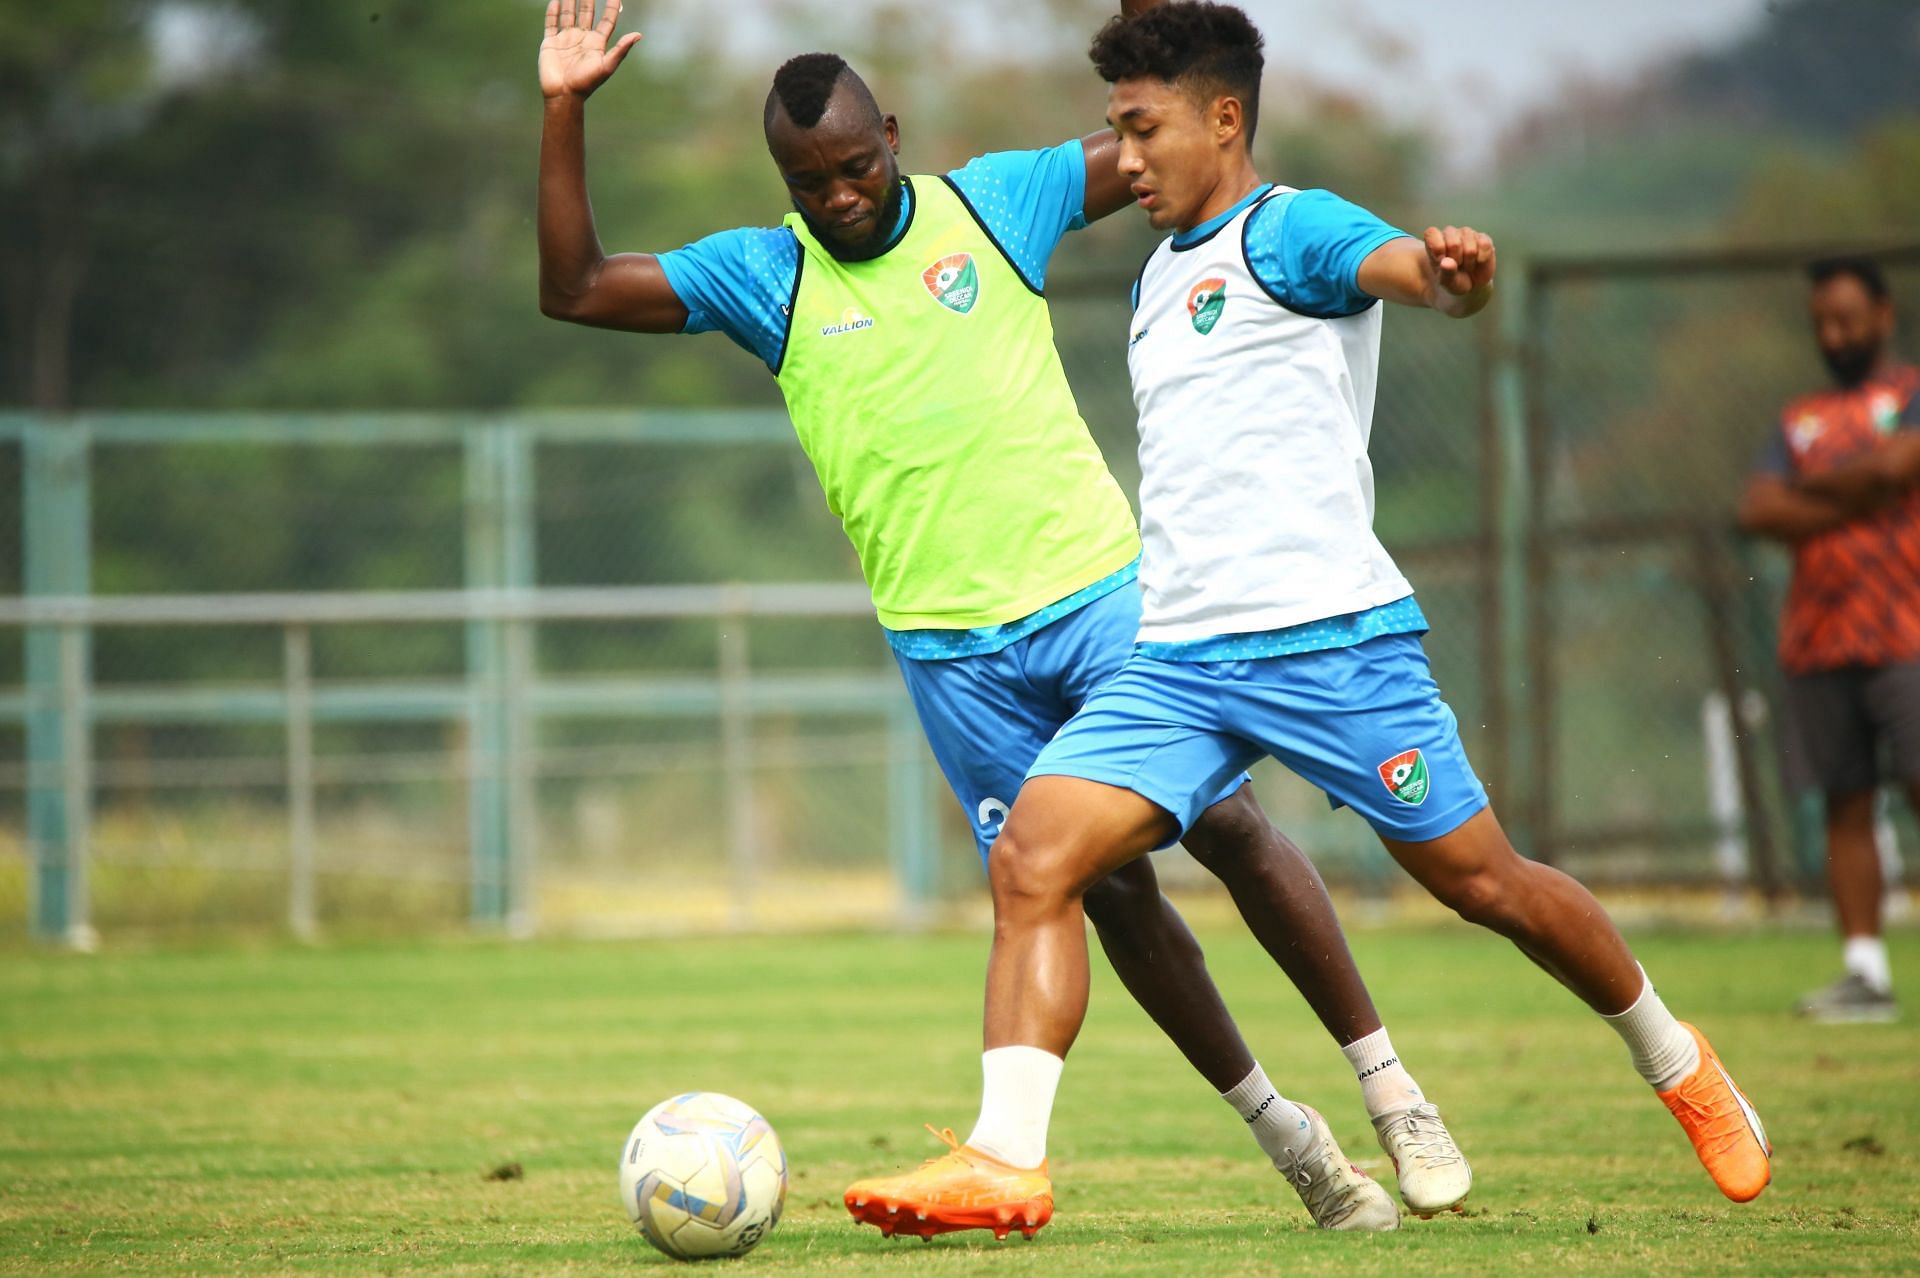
616 670
1650 385
657 754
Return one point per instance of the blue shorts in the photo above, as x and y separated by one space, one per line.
1365 724
987 717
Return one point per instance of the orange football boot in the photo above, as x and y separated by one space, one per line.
1722 1125
962 1189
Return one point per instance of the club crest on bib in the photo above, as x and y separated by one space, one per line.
1204 304
1405 776
954 282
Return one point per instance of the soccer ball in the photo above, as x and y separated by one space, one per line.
703 1175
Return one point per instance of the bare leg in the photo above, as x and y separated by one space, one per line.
1550 916
1063 836
1285 904
1853 863
1161 964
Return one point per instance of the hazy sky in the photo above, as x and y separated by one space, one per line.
1491 58
1476 64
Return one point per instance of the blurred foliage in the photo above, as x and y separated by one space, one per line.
1710 145
327 205
262 203
1866 189
1825 67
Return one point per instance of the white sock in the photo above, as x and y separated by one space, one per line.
1385 1085
1016 1100
1277 1123
1866 958
1663 1051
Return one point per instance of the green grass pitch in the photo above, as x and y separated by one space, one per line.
337 1110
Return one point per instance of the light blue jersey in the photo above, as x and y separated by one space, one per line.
1305 248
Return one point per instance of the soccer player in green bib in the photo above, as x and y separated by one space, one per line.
905 321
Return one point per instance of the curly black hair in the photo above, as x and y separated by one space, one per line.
1864 269
803 86
1211 49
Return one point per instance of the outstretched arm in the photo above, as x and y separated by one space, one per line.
1107 191
578 281
1451 271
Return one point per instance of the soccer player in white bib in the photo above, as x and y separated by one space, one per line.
1273 621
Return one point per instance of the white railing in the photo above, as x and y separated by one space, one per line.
503 701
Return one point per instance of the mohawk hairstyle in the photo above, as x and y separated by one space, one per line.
1864 269
803 86
1213 49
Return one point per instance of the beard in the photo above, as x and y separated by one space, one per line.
876 242
1851 365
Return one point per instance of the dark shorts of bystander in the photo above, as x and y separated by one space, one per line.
1850 729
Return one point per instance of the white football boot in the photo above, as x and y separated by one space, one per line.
1434 1176
1338 1195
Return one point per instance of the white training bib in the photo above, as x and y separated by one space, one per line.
1256 495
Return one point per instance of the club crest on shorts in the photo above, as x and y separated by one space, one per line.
1204 304
1405 776
954 282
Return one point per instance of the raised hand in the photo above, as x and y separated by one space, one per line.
574 57
1462 258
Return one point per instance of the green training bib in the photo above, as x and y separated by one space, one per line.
925 387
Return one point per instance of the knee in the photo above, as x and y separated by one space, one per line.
1494 897
1124 899
1136 923
1851 811
1487 887
1030 875
1477 897
1229 837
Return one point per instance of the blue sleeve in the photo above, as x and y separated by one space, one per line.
739 283
1028 200
1306 248
1774 458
